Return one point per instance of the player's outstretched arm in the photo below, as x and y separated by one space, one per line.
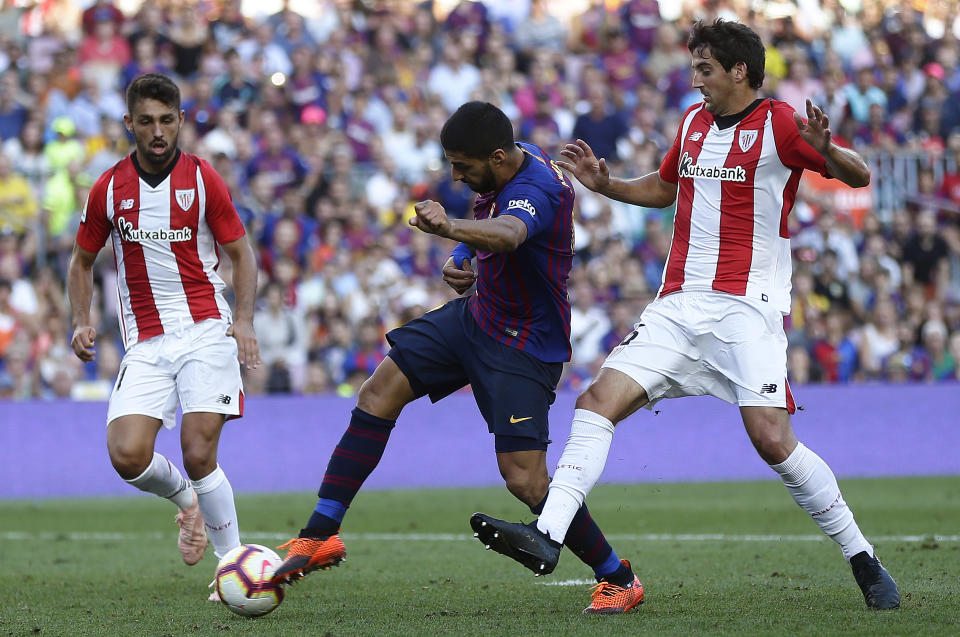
80 293
843 163
499 234
245 290
649 191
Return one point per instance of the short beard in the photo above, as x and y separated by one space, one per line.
160 161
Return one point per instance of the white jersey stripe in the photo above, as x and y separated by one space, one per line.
705 214
127 323
766 265
207 249
161 264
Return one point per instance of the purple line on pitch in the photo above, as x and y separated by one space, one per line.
283 444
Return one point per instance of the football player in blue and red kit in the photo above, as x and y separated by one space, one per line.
508 340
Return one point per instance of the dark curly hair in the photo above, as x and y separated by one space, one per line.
476 130
155 86
730 43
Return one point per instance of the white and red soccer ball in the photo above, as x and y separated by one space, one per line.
243 580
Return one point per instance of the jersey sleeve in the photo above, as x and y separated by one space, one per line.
532 206
794 152
95 228
221 215
670 166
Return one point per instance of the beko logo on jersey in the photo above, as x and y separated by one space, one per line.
522 204
720 173
140 235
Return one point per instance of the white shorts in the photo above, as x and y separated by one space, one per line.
708 343
195 367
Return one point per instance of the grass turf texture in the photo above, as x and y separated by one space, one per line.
110 566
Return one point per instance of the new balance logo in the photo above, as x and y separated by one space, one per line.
126 204
223 399
695 137
769 389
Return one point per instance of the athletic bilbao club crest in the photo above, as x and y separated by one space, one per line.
747 137
185 197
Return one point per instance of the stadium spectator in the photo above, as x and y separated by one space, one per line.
540 30
18 206
601 126
454 79
925 257
835 351
104 52
13 114
862 93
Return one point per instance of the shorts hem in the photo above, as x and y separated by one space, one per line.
509 444
233 413
111 416
630 371
397 356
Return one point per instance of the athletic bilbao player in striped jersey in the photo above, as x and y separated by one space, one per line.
166 212
716 325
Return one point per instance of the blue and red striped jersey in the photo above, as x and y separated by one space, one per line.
521 297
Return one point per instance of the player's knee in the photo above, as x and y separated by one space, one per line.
129 460
199 459
599 398
382 399
774 445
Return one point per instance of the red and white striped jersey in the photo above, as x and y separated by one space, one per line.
165 243
736 187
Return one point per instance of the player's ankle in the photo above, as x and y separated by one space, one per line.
317 533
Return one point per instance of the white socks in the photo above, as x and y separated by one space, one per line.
814 487
578 469
219 511
163 479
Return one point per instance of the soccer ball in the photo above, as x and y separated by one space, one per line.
243 580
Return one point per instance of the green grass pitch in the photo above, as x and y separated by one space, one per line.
715 559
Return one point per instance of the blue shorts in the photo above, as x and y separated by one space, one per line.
444 350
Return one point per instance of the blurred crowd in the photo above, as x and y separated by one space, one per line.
324 118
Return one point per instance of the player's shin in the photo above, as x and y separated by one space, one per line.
215 496
165 480
578 469
814 487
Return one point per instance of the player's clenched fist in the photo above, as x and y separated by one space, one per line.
431 217
82 343
459 278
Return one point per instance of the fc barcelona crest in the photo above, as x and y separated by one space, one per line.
185 197
747 137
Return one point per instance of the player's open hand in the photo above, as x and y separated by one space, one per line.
431 218
584 165
459 278
816 130
83 342
248 349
